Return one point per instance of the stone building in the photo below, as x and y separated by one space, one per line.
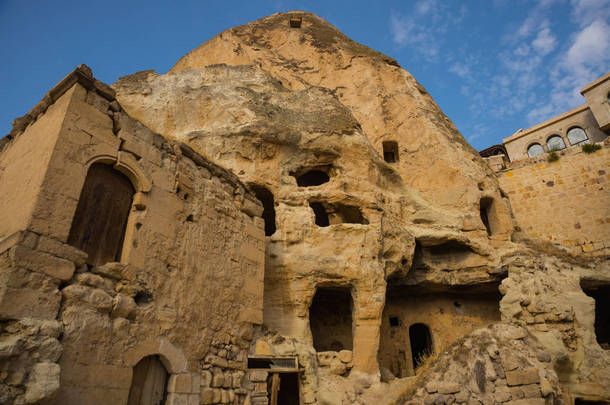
562 197
261 225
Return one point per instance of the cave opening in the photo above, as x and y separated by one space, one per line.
403 343
266 198
601 295
330 319
320 214
349 214
312 178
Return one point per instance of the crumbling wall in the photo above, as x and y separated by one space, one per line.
566 202
499 364
188 287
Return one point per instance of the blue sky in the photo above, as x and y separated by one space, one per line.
493 66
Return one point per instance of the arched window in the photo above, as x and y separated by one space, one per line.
421 343
534 150
555 142
149 382
266 198
577 135
98 227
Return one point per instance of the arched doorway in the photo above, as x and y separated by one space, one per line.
98 227
149 382
421 343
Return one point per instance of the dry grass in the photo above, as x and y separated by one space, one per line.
426 361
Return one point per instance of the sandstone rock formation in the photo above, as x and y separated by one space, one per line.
389 243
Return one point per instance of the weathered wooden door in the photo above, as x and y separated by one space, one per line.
98 227
148 383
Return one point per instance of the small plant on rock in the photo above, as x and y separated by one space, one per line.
553 157
589 148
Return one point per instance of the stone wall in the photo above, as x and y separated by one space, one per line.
188 287
566 202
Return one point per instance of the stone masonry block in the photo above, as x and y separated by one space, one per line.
448 388
61 269
258 376
522 377
179 383
57 248
177 399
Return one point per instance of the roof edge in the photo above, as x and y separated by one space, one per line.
546 123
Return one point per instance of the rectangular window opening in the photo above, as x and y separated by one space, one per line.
295 22
390 151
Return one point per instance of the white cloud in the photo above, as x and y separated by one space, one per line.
460 69
587 11
424 26
590 47
399 30
405 31
545 42
424 6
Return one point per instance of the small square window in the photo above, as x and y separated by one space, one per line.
296 22
390 151
394 321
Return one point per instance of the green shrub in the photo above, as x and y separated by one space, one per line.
553 157
590 147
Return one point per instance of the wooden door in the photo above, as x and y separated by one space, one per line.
149 382
98 227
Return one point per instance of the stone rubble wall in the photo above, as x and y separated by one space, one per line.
189 287
501 364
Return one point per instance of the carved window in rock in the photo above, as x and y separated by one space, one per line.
321 216
421 343
555 142
577 136
390 151
487 213
330 319
149 382
534 150
312 178
266 198
98 227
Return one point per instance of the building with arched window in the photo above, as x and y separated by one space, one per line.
589 123
546 164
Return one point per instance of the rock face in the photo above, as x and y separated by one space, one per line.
387 242
385 99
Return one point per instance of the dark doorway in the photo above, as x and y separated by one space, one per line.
98 227
601 295
579 401
421 343
149 382
320 212
266 198
288 393
390 151
312 178
330 319
485 211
